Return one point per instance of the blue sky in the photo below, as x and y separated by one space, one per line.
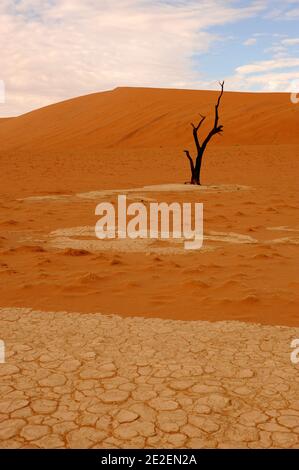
56 49
248 42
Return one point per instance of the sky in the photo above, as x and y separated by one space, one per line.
53 50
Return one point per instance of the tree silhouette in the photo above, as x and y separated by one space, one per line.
200 148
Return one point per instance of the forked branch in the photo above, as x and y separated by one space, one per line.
217 129
195 132
190 160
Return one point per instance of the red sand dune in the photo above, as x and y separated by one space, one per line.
132 137
147 117
95 140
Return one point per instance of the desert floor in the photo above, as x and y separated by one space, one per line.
90 380
199 352
247 269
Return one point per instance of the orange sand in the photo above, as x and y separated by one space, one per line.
129 138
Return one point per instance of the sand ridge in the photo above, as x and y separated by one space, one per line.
130 117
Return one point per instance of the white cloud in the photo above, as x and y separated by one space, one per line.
268 75
266 65
283 10
280 49
290 42
250 42
56 49
275 82
292 14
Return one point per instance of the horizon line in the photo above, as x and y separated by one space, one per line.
111 90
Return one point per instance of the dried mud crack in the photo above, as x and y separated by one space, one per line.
91 380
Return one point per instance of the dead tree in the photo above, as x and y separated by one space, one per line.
200 148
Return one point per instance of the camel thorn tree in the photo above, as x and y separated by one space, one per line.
200 148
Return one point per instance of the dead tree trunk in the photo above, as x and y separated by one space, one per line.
200 148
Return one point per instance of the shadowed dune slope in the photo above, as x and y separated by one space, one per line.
143 117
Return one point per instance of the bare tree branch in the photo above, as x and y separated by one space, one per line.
195 132
216 129
195 136
190 160
200 122
217 105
